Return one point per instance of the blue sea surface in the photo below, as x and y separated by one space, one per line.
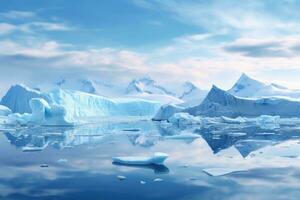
227 161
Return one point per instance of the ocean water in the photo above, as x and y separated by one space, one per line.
227 161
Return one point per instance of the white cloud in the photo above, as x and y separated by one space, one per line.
6 28
13 14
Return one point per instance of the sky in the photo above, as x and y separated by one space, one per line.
172 41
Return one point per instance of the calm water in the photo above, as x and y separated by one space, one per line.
228 161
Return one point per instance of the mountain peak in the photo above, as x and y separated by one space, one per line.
146 85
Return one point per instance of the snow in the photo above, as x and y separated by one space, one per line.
249 87
18 96
221 103
166 111
192 95
158 158
146 85
4 111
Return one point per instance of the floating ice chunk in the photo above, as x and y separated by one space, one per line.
143 182
158 180
229 120
183 120
158 158
185 136
222 171
166 111
62 161
44 165
121 178
4 111
34 148
268 122
238 134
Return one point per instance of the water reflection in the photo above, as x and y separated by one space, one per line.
259 154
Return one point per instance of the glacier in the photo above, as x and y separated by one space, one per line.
66 107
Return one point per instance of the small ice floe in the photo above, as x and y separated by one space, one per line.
121 178
62 161
184 166
143 182
238 134
34 148
222 171
186 136
132 130
265 133
44 165
158 158
53 134
157 180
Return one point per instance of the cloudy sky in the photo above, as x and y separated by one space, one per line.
204 41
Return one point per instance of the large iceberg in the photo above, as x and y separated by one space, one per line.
221 103
64 107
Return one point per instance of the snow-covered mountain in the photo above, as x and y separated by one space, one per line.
221 103
89 86
192 95
249 87
146 85
146 88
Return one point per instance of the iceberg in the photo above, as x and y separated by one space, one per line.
166 111
158 159
4 111
79 105
183 120
18 96
66 107
221 103
222 171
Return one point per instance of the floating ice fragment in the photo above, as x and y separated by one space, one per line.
44 165
4 111
143 182
121 178
158 180
158 158
34 148
62 161
185 136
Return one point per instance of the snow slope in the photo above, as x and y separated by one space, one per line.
18 96
192 95
221 103
249 87
146 85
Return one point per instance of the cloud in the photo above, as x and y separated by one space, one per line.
283 47
6 28
13 14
